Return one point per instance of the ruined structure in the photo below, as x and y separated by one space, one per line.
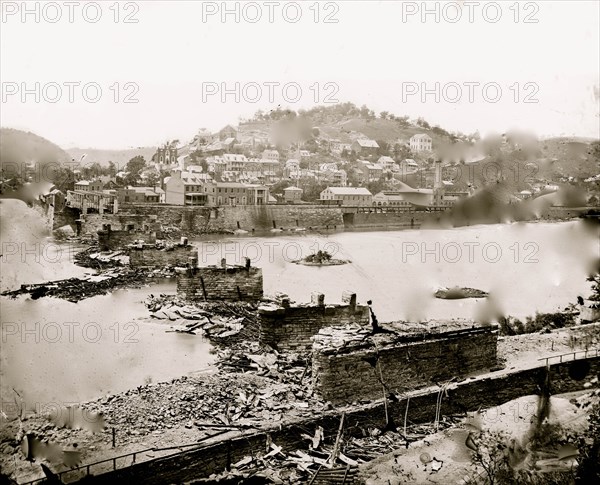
352 364
233 282
287 327
161 255
132 229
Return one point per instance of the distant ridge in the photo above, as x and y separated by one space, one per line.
118 157
17 146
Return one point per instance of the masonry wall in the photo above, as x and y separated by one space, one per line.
150 256
356 375
470 395
202 220
374 220
211 220
234 283
292 327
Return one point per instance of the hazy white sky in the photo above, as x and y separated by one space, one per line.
378 53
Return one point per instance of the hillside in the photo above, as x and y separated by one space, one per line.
118 157
21 147
344 121
376 129
575 157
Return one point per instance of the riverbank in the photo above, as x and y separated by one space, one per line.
262 220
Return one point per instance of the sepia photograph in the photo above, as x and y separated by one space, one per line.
351 242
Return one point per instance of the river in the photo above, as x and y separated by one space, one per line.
106 344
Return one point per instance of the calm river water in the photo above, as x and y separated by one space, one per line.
57 351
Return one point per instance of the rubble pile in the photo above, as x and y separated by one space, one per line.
289 367
92 257
335 460
204 402
340 338
299 466
223 322
76 289
234 328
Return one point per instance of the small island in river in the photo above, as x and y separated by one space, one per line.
458 293
320 258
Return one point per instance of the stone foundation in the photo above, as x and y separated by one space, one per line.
350 364
286 327
147 255
234 283
110 239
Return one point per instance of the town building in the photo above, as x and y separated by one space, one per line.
417 197
234 162
89 186
373 171
270 155
408 165
387 163
186 188
235 193
339 178
228 132
90 196
292 194
348 196
330 173
364 146
390 198
166 155
140 195
292 168
421 143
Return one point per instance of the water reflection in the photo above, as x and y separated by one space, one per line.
54 350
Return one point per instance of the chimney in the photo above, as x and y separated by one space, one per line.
317 298
350 298
437 179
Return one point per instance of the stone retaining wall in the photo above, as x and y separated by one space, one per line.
353 372
202 220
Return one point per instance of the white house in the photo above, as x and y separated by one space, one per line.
421 143
388 163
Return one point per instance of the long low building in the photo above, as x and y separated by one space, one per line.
348 196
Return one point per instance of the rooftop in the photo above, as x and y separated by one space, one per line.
367 143
349 190
421 136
